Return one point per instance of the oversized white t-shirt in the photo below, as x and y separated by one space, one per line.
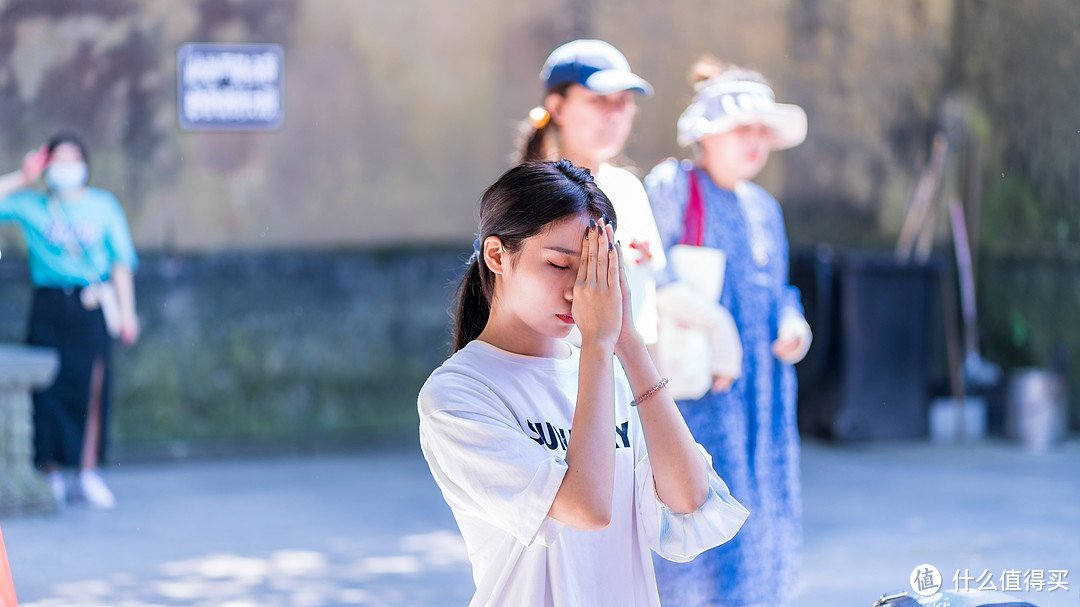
640 240
494 427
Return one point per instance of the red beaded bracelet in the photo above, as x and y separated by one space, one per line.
644 397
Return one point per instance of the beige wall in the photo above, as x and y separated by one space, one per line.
398 114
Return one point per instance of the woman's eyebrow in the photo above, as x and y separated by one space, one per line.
563 250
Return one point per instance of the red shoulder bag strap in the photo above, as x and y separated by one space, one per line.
694 218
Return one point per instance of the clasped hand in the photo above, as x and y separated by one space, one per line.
601 306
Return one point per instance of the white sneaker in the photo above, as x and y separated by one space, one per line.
59 490
95 490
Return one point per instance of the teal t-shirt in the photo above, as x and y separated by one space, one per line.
53 237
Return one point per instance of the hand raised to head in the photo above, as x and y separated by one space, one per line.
598 306
34 164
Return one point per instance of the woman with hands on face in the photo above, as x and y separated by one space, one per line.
563 467
77 237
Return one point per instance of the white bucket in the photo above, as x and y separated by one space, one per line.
1035 412
945 420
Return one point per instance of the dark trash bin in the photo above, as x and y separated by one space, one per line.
874 329
886 333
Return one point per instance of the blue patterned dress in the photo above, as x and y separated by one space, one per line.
751 429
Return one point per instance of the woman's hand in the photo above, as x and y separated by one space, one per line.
793 338
34 164
32 167
598 303
628 335
787 349
129 329
124 282
722 383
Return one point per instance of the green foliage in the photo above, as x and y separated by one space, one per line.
1018 59
1014 211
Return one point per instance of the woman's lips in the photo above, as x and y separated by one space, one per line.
566 318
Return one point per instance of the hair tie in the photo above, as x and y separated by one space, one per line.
539 117
475 250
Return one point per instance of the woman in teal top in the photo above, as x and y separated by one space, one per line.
76 236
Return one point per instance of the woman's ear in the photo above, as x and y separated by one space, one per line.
495 256
553 104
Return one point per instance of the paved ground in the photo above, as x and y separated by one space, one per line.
372 529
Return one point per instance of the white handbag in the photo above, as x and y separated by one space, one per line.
697 337
103 295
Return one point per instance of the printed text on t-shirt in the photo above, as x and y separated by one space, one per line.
558 438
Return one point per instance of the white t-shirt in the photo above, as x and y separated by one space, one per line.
640 243
494 428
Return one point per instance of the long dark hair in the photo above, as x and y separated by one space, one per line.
520 204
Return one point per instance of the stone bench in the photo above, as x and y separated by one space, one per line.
23 369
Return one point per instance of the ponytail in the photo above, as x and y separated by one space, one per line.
535 139
710 69
535 146
706 68
537 136
474 304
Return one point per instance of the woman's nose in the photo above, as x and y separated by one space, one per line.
617 103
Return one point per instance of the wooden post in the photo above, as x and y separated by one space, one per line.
921 210
973 201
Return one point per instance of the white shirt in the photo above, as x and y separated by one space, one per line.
494 427
640 243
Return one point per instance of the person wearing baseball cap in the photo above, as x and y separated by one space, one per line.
747 420
587 113
588 106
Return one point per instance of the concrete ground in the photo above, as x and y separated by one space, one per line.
372 529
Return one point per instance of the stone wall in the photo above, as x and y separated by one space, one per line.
296 349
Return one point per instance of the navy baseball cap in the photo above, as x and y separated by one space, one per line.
595 65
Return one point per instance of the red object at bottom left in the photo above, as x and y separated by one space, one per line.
7 586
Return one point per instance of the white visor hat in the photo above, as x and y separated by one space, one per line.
720 106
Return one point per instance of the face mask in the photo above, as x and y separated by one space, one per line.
66 176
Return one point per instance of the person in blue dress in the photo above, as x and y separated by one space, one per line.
81 262
746 420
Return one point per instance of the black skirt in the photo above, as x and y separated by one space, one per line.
58 320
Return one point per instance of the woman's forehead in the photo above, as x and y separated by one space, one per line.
66 151
577 92
564 233
740 130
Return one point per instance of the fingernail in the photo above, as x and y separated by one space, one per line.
604 217
592 222
610 246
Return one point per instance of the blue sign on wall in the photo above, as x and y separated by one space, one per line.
231 86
